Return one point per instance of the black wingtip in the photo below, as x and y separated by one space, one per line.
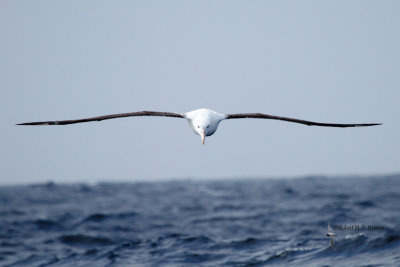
367 124
33 123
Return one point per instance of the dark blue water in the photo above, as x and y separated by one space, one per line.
211 223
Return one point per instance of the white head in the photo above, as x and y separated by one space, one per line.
204 122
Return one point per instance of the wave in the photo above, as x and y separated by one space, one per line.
82 240
213 223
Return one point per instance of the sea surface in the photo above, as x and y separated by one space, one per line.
238 222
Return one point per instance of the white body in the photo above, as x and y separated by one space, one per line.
331 235
204 122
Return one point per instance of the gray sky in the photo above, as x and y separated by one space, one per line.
327 61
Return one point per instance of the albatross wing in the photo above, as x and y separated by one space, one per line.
309 123
107 117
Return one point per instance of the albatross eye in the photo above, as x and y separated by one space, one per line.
208 126
198 126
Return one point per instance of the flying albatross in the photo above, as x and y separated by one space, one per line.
331 234
204 122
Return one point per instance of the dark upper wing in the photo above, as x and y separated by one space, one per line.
107 117
309 123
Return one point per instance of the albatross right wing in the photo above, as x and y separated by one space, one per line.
309 123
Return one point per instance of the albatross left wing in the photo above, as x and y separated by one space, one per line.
309 123
107 117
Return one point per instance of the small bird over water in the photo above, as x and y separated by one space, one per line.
331 235
204 122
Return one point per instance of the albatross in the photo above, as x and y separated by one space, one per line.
204 122
331 234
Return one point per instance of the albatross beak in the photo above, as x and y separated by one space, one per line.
203 136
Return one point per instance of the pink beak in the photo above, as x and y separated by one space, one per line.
203 136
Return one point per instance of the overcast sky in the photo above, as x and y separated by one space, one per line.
327 61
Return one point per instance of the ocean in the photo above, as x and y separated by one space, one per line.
237 222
